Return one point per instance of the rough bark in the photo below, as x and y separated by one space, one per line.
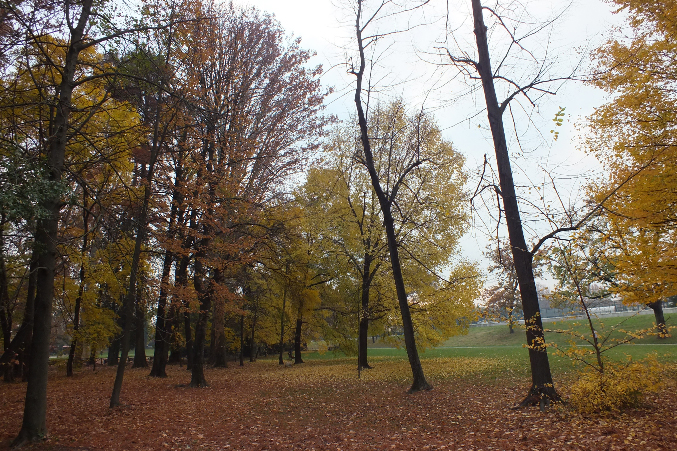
542 385
34 425
419 380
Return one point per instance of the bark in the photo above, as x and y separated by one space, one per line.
81 287
253 351
297 339
188 331
204 297
5 306
162 334
128 306
140 345
182 281
76 324
662 328
175 355
284 306
34 425
542 385
364 313
159 368
419 381
242 340
114 348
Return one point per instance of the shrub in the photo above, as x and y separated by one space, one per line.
619 386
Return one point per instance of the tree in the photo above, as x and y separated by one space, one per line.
34 421
387 189
542 389
256 113
342 205
428 222
633 136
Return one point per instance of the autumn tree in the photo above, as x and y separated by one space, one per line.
633 137
256 111
428 222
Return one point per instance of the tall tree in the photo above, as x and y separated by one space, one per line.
387 189
34 426
542 388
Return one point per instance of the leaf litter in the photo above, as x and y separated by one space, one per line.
322 405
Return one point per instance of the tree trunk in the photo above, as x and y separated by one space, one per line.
188 331
182 281
5 307
242 340
140 325
162 335
114 348
34 425
284 306
657 308
419 381
297 339
364 313
204 296
542 385
81 287
175 356
159 368
253 349
129 304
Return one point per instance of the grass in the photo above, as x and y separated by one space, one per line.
495 343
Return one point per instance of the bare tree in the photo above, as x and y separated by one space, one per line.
388 196
542 390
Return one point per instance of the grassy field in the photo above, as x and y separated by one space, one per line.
496 343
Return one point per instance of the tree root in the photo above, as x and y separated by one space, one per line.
421 386
541 396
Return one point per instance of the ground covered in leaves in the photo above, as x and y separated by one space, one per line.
322 405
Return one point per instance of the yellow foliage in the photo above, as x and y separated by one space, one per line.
619 386
634 137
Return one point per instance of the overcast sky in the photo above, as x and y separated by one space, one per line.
406 69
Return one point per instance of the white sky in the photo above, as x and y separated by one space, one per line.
405 69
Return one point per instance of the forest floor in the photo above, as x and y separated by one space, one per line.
322 405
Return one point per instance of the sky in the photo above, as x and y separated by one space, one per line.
408 66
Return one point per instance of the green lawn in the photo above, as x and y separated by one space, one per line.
496 343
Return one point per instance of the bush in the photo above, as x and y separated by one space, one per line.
620 386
